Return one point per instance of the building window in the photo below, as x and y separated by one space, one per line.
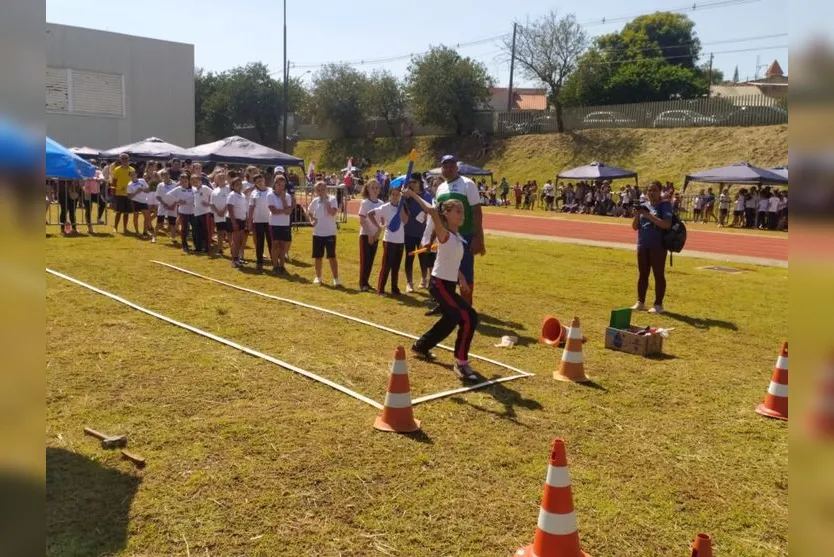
83 92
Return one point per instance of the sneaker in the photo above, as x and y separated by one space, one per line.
276 270
336 282
424 354
639 306
409 288
364 288
464 372
396 292
153 239
657 308
317 280
434 311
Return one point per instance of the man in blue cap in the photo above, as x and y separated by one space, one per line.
466 191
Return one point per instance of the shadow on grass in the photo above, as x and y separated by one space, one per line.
21 514
101 234
299 263
701 323
508 398
420 436
661 357
594 385
87 505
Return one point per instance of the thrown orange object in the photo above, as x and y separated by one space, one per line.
572 366
775 404
397 413
556 533
554 333
702 546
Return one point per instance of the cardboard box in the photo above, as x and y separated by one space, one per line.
628 341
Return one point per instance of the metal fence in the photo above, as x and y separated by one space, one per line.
749 110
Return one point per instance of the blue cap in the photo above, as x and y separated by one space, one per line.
448 158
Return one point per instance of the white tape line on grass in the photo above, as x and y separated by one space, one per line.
520 372
222 340
481 385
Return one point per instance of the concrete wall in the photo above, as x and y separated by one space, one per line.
158 87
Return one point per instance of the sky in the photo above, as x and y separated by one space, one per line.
227 33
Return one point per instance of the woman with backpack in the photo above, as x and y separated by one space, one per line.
651 219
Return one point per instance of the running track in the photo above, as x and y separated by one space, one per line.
750 245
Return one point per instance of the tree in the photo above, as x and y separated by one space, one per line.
735 75
444 87
243 96
383 97
338 90
547 50
654 58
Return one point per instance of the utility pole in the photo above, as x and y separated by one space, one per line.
512 68
709 91
286 82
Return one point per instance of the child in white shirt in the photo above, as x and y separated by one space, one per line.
393 240
137 191
368 233
238 208
322 215
280 207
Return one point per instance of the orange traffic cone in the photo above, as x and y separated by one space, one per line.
702 546
397 413
821 419
572 366
775 404
556 532
554 333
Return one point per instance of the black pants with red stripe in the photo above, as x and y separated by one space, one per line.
392 258
262 234
456 312
367 254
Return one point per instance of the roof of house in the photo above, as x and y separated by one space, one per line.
774 70
525 98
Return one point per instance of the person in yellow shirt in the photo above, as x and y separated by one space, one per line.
119 179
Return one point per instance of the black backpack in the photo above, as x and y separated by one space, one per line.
674 239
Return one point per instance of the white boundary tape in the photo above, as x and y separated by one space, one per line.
222 340
519 372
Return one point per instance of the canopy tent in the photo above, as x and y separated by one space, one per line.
63 163
239 150
465 169
86 152
150 148
781 170
596 171
739 173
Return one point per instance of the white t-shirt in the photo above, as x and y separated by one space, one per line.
185 199
239 204
202 200
325 223
133 191
449 255
364 208
258 200
699 201
740 203
773 204
750 203
548 190
274 200
152 198
219 198
383 214
763 205
723 201
162 194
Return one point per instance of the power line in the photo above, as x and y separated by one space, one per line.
716 53
590 23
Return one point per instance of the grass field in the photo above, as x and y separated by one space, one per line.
246 458
664 154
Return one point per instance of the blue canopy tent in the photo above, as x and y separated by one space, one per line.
465 170
596 171
150 148
239 150
63 163
739 173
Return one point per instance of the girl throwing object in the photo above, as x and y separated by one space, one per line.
445 276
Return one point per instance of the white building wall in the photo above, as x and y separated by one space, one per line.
158 88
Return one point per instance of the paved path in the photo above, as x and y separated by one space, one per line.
706 242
